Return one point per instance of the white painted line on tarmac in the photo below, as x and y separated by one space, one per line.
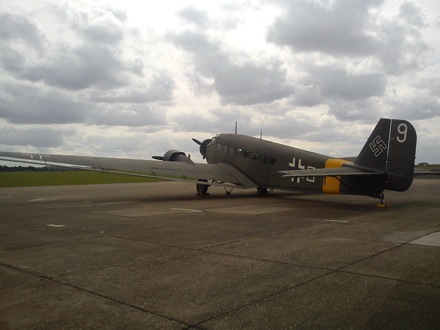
113 203
343 221
42 200
429 240
186 210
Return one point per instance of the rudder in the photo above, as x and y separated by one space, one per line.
401 155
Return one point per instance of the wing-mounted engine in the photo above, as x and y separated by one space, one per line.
174 156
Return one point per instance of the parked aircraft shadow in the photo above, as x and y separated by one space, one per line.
294 199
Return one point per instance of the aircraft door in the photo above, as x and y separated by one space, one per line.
263 168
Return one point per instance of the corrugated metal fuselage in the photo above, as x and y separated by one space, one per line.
261 161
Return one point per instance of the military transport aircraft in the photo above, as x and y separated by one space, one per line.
386 162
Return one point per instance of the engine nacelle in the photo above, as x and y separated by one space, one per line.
175 156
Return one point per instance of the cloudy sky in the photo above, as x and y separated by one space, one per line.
135 78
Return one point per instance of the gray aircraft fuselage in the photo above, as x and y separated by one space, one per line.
263 160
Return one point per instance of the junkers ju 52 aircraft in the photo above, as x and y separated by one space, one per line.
386 162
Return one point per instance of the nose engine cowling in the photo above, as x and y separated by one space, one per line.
202 146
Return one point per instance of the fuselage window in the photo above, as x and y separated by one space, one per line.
267 160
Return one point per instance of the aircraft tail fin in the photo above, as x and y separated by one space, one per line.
391 148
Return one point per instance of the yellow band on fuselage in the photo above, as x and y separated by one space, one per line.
331 184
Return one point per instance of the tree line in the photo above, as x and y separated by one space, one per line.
4 168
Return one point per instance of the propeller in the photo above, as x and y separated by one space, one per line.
203 146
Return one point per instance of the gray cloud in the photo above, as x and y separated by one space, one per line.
78 82
432 85
348 96
416 108
20 39
127 115
403 50
368 110
30 105
327 71
79 68
12 60
160 89
94 62
337 29
104 26
15 27
106 34
412 14
97 23
336 82
33 136
212 121
307 96
242 84
193 15
348 28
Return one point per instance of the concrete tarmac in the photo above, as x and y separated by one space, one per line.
154 255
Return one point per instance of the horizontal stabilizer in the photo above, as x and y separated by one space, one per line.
426 172
320 172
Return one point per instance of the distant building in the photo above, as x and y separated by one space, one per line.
423 164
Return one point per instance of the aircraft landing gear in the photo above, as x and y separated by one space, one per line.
228 192
261 190
383 202
202 189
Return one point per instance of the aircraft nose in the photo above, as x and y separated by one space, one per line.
202 146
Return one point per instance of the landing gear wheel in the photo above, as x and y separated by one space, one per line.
261 190
202 189
383 202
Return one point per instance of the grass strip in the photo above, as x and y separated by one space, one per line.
22 179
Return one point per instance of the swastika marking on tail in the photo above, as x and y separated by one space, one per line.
377 146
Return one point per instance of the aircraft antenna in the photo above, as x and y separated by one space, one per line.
235 127
261 134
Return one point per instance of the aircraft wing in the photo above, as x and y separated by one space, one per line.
345 170
216 174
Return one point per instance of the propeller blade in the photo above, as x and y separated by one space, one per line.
158 157
197 141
